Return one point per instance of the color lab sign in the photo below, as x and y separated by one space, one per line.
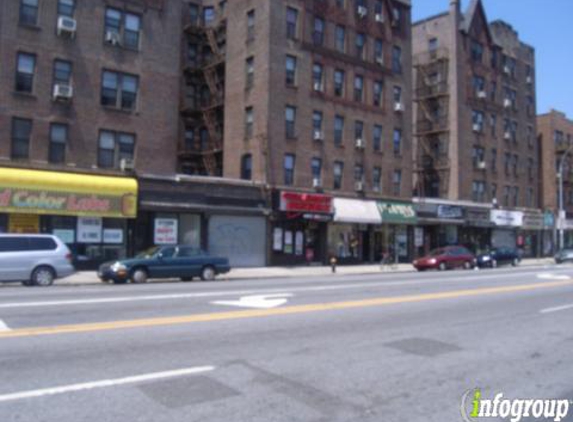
65 203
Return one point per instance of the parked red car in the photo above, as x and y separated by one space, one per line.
446 258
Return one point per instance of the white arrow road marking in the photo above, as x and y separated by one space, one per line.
104 383
4 327
257 301
556 309
550 276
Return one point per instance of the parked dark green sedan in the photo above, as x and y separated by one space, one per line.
184 262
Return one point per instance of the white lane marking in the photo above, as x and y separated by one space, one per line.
372 284
551 276
257 301
104 383
556 309
4 327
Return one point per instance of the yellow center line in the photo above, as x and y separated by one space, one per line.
287 310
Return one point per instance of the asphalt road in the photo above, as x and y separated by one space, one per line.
389 347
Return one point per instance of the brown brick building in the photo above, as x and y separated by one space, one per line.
474 118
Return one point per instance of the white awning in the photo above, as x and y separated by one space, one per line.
356 211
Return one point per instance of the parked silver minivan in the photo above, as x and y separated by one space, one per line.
34 259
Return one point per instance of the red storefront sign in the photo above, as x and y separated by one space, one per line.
306 203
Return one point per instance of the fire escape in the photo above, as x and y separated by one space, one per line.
202 112
431 94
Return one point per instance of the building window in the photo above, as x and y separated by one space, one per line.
530 168
250 25
478 191
125 26
339 83
493 190
317 124
378 90
338 130
397 182
58 141
62 72
190 139
506 192
379 51
114 147
493 95
530 136
119 90
529 199
290 71
360 45
493 123
397 141
208 15
377 179
478 157
514 131
340 38
478 84
249 120
316 170
66 8
377 138
246 167
476 51
396 59
358 88
318 33
25 72
397 93
290 121
291 22
515 164
194 13
21 131
396 18
515 196
494 160
29 12
477 120
506 162
338 171
318 77
433 45
358 173
289 161
341 3
250 72
358 129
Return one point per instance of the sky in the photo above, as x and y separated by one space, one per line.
547 25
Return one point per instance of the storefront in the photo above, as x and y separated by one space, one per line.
506 225
350 235
476 233
395 237
224 218
548 234
91 214
299 228
529 238
438 225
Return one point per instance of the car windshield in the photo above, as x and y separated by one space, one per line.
148 253
437 252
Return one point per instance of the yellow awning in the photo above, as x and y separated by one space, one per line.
56 193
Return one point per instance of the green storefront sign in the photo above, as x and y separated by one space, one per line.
395 212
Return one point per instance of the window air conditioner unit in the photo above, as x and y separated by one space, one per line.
359 143
506 70
63 92
359 186
477 127
482 94
316 182
380 61
481 165
318 136
379 17
318 86
529 80
126 164
66 26
362 11
399 107
507 103
113 38
507 135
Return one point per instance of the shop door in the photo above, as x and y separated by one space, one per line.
240 239
365 246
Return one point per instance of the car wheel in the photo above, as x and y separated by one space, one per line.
515 262
442 266
139 276
468 265
493 263
43 276
208 273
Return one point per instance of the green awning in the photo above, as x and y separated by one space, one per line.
396 212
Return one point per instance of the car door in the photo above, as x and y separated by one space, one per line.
13 258
161 264
189 262
451 258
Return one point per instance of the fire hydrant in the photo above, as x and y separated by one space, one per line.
333 262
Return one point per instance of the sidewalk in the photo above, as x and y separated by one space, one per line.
90 277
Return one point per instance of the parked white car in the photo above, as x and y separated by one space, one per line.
33 259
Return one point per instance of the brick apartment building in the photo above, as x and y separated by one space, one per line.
555 132
476 154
